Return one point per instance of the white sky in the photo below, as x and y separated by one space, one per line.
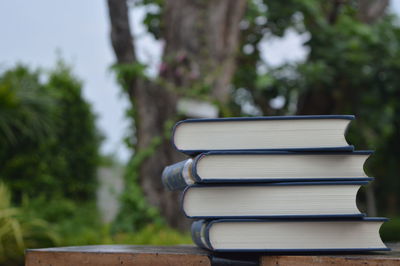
32 32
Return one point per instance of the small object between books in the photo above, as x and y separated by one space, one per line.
273 184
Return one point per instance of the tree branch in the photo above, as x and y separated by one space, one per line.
334 12
371 10
121 37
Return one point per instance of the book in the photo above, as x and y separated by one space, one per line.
305 133
261 235
277 200
265 166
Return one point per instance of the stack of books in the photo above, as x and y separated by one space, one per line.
277 184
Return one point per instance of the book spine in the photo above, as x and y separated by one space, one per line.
178 176
197 231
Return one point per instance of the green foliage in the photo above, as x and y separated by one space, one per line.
49 152
49 159
153 234
50 142
26 111
390 231
77 141
75 223
79 224
41 223
153 20
19 230
351 68
135 211
127 73
71 223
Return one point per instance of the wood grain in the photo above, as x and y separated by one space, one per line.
117 255
370 259
328 260
190 255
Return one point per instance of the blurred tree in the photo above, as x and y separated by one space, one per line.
77 139
27 110
48 136
351 68
201 39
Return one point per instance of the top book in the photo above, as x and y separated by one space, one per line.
302 133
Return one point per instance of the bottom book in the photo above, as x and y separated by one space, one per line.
262 235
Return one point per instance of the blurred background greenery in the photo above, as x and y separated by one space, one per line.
49 161
50 158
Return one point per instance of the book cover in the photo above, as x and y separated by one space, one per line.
277 184
184 173
204 241
193 152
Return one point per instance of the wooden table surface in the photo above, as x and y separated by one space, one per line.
190 255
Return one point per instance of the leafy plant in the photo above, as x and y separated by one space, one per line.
153 234
48 135
25 108
390 230
135 211
18 231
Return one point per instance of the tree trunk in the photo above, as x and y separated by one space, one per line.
201 38
371 10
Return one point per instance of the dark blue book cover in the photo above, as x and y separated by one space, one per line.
175 177
184 173
202 238
197 231
193 152
276 184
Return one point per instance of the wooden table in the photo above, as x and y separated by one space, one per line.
190 255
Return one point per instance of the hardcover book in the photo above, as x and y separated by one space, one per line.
264 166
305 133
283 200
339 235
